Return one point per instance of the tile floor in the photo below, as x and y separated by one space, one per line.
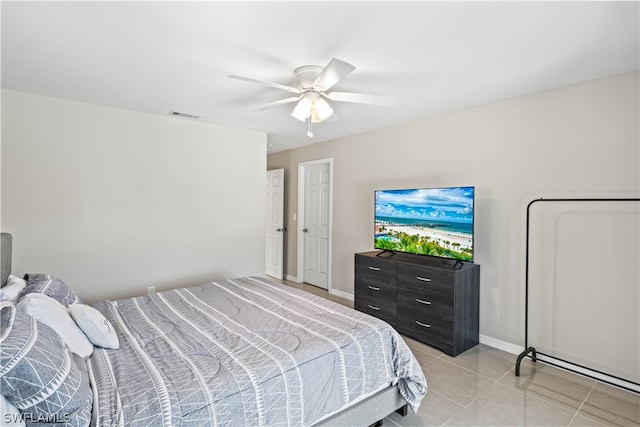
479 388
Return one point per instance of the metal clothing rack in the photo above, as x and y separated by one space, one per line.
530 351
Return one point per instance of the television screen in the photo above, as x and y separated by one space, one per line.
426 221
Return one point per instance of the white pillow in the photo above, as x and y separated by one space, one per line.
12 290
57 317
95 326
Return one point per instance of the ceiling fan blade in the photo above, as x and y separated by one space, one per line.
264 82
362 98
276 103
332 74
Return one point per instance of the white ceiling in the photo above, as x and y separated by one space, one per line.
434 57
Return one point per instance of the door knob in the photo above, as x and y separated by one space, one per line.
304 230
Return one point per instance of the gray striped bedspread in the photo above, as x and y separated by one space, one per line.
243 352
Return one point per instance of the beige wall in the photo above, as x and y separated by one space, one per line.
578 141
112 201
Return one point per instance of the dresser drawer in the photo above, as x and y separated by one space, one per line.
415 274
379 272
425 302
414 315
426 281
432 330
384 309
375 291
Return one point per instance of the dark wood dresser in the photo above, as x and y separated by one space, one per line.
432 300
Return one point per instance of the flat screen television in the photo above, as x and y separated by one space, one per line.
426 221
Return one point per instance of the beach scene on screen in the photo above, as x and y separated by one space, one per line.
430 221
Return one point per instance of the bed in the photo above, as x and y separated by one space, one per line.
247 351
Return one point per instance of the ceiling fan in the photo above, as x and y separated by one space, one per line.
311 94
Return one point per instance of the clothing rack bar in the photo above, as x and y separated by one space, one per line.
530 351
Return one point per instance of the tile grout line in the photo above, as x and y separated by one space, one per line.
553 402
475 397
470 370
593 387
463 407
448 398
466 406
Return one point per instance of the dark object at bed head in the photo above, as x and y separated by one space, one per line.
5 248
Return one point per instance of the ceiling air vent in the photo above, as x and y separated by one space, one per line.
185 115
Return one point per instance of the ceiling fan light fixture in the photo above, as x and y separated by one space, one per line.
312 106
303 109
321 108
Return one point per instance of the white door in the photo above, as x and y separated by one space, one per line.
315 224
275 223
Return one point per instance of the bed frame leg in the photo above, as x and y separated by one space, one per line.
402 411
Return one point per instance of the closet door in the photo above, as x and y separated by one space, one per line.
275 224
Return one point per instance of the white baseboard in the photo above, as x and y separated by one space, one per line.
501 345
516 350
342 294
339 294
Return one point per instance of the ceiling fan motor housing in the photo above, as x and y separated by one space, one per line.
307 75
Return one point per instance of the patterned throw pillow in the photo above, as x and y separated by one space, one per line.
95 326
51 286
38 373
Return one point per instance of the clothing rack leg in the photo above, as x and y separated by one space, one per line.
522 355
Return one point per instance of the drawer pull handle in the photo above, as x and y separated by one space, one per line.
423 279
421 301
373 288
374 268
424 325
373 307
